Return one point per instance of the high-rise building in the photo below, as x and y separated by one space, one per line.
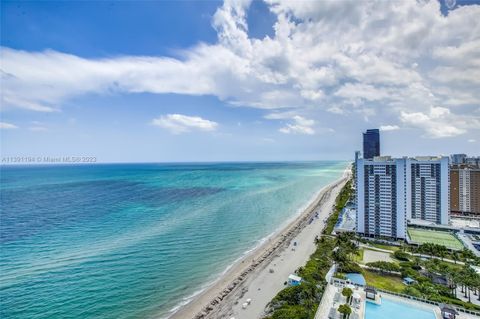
473 161
458 158
465 189
380 194
391 191
429 189
371 143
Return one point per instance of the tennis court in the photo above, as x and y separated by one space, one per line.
444 238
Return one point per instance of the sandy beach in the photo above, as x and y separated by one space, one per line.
260 275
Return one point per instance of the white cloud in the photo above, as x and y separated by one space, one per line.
7 126
280 115
297 129
178 123
450 74
389 127
300 125
467 51
361 91
380 59
472 140
437 123
336 109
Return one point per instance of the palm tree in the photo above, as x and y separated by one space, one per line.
469 285
455 257
467 254
339 256
477 285
465 279
428 248
351 248
471 278
461 280
347 292
455 281
442 252
345 310
432 265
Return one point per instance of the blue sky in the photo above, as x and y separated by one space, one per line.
213 81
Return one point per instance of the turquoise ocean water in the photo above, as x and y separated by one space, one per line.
136 240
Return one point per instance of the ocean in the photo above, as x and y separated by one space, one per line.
137 240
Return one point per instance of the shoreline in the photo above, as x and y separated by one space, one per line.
215 299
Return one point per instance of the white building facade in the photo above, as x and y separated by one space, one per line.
429 189
464 190
391 191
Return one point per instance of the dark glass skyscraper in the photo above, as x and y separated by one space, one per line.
371 143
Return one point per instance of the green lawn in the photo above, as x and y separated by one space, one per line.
444 238
386 282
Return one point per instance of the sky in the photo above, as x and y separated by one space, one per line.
196 81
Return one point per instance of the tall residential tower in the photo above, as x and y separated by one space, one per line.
391 191
380 195
428 188
465 189
371 143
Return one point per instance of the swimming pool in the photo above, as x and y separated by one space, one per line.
396 310
356 278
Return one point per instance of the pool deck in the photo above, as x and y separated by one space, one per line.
328 302
417 304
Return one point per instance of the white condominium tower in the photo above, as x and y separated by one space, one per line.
379 197
429 187
391 191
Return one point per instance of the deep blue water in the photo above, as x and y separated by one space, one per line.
133 241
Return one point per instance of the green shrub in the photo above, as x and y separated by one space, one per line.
384 265
401 255
350 267
412 292
291 312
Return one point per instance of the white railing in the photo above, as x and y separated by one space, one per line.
337 282
331 272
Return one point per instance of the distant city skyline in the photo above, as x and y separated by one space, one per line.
238 80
